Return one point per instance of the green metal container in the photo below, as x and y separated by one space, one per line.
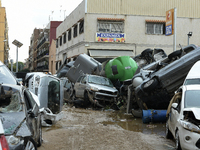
121 68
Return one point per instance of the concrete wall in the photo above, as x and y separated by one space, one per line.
185 8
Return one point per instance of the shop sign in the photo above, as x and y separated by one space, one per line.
110 37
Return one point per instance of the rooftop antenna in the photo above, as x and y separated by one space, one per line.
60 11
52 15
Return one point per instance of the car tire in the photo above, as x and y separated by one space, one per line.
147 51
177 141
39 143
30 144
149 87
168 132
175 54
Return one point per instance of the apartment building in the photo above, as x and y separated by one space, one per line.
105 29
4 41
33 49
40 44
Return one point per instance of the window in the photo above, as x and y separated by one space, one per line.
56 43
75 31
81 27
60 40
64 36
69 35
155 28
114 27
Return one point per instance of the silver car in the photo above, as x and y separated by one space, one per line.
96 89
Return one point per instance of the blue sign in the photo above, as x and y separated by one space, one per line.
168 30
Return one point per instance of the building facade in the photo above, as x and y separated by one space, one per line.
4 41
105 29
33 49
43 46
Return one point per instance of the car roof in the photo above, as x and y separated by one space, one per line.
194 71
191 87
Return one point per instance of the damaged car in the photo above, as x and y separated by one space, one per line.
97 90
149 56
154 89
183 123
20 117
49 90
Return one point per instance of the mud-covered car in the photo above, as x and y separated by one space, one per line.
20 116
183 123
155 89
95 89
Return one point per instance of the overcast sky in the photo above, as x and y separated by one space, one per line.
25 15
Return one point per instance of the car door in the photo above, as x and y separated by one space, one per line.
175 114
77 86
32 115
82 86
67 90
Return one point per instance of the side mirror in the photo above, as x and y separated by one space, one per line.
174 105
30 112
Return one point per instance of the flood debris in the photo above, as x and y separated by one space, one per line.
155 83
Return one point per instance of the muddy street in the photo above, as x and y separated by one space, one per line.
81 129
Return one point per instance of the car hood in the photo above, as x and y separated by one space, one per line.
103 87
196 112
12 122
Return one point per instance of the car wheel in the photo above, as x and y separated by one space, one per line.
150 85
40 136
30 144
177 141
174 54
168 132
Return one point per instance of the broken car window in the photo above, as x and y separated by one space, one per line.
9 99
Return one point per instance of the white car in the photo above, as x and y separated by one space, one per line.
183 121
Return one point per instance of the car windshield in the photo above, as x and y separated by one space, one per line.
6 76
100 80
192 98
9 99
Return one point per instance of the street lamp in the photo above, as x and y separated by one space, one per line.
189 35
18 44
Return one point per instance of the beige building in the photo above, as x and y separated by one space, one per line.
110 28
4 43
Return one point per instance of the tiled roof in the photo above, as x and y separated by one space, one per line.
156 21
110 19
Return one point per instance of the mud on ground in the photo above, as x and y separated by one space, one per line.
82 129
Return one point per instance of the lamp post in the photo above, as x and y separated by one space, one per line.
18 44
189 35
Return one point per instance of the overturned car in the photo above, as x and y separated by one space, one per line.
49 91
154 85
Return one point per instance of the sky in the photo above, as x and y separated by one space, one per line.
23 16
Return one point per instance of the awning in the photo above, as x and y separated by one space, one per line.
110 53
